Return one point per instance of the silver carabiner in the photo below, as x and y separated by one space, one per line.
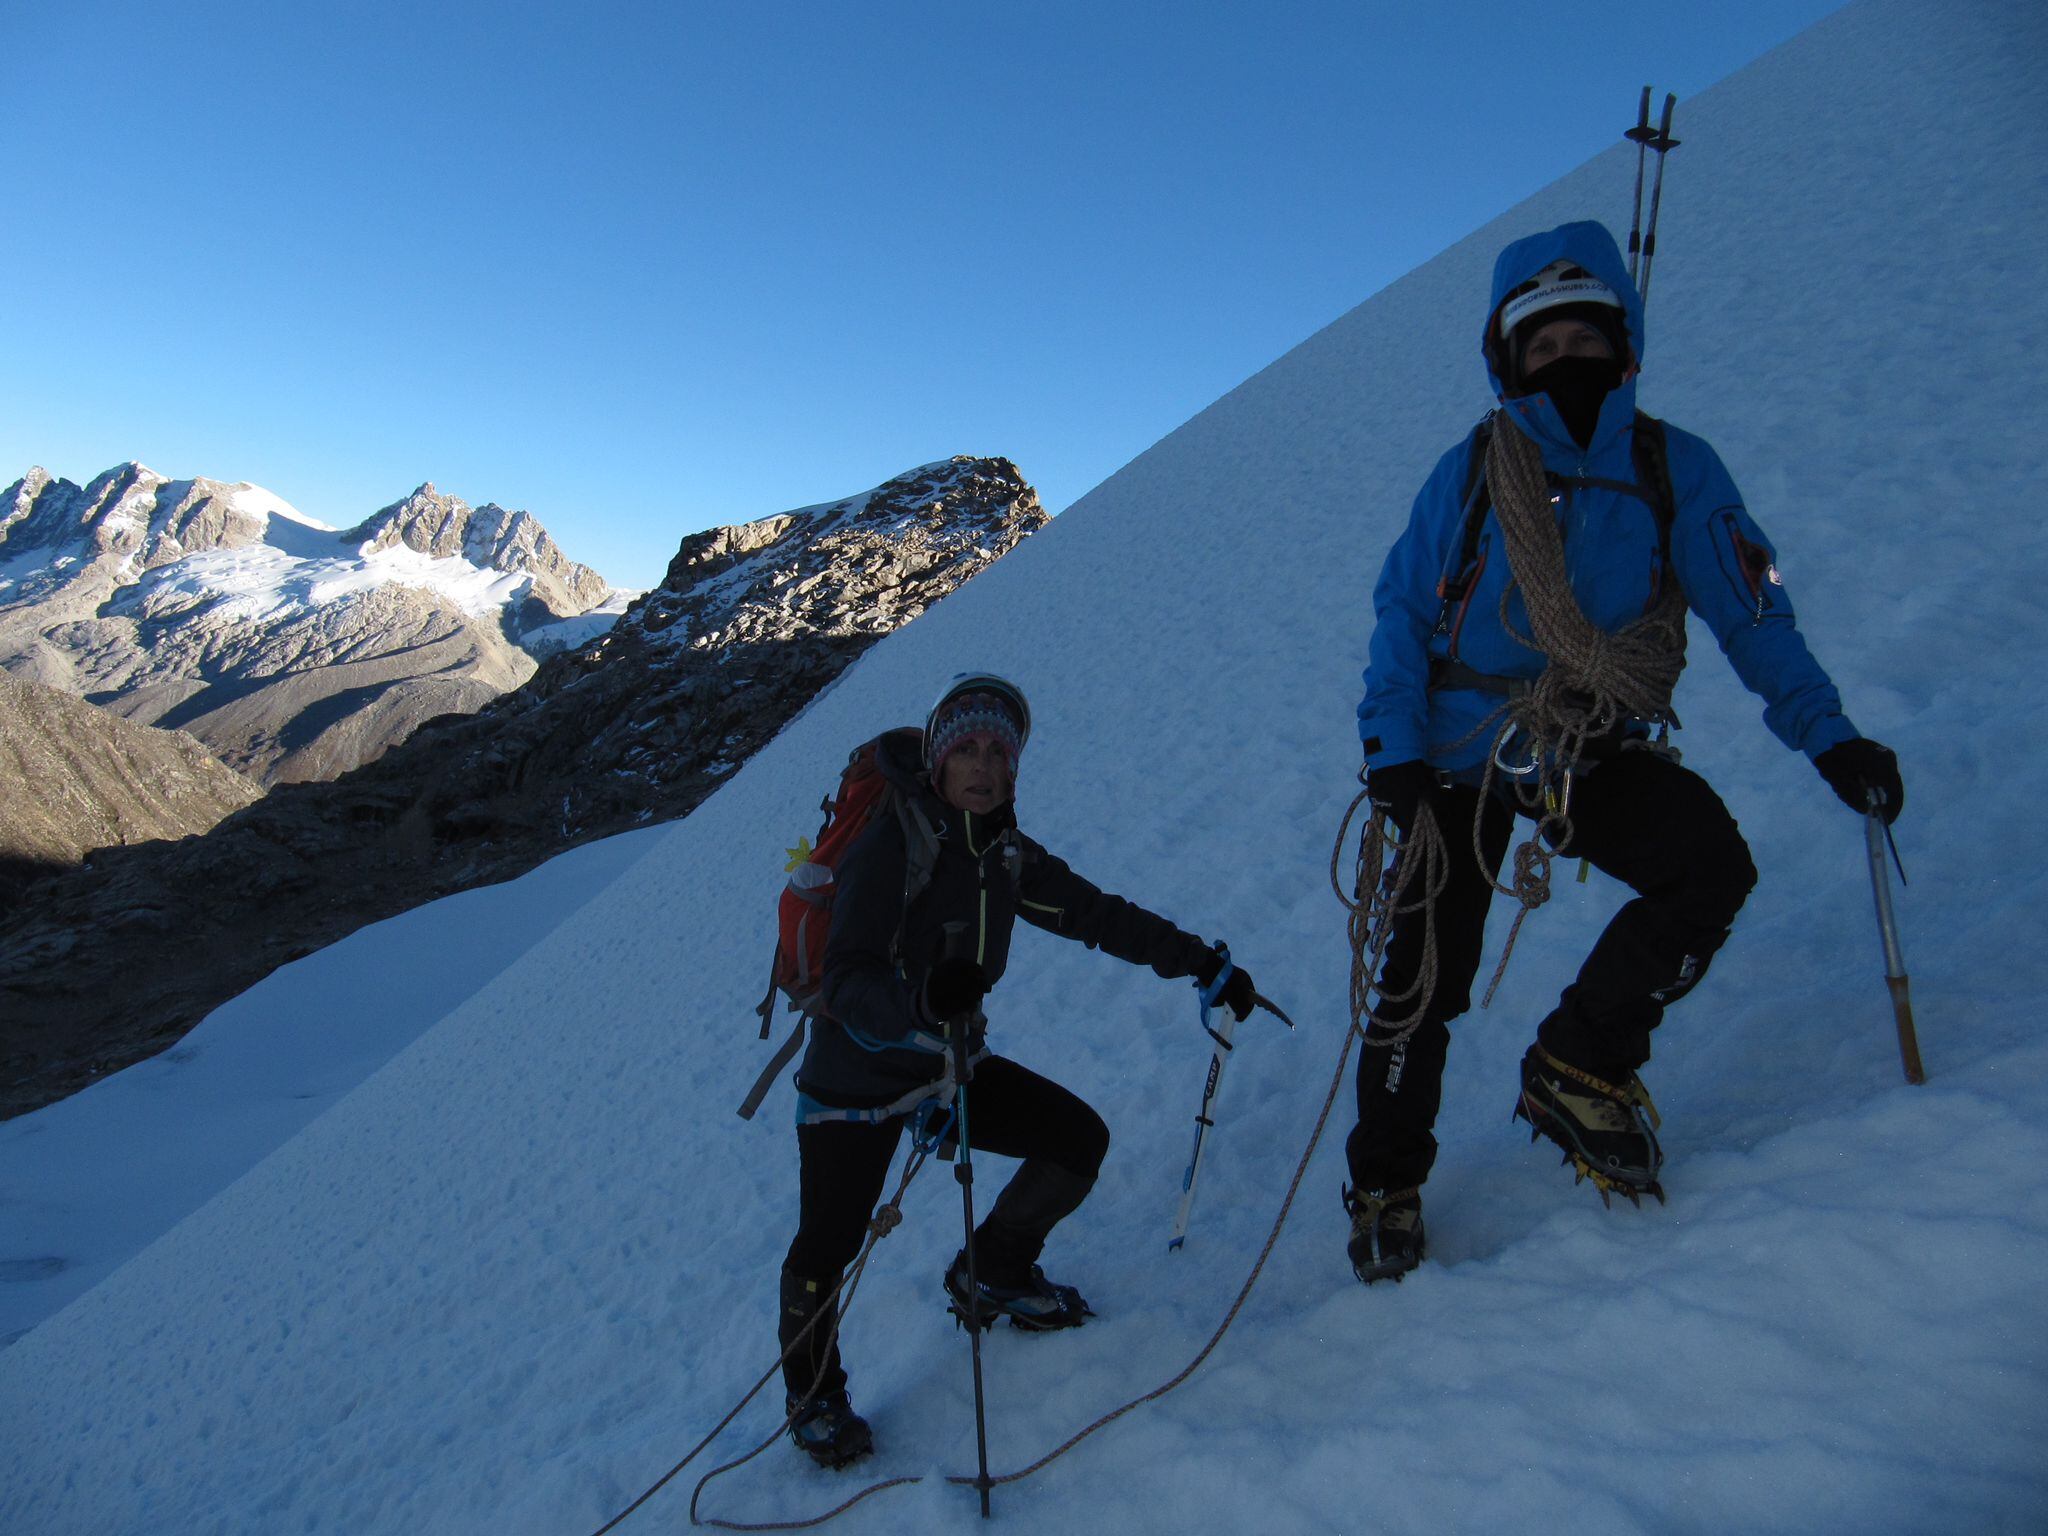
1535 760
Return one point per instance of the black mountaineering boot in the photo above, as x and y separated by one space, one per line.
828 1429
1006 1249
1608 1130
1036 1305
1386 1232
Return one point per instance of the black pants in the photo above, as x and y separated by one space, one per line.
1657 827
1011 1112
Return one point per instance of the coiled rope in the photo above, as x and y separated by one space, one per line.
1594 682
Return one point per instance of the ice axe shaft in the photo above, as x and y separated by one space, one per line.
1894 958
1219 1058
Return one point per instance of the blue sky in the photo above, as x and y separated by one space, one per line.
645 268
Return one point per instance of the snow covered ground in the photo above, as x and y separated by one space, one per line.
513 1275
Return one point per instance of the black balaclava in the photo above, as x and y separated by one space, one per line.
1577 386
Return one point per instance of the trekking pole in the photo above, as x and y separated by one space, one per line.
1663 143
963 1170
1641 135
1875 836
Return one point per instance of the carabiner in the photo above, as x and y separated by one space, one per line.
1535 760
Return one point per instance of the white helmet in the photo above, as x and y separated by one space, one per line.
1562 282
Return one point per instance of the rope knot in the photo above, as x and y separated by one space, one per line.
1532 874
887 1220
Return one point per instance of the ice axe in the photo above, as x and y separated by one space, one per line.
1211 997
1875 835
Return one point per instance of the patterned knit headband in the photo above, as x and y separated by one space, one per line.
970 715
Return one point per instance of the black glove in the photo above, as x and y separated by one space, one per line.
1238 995
1398 788
1855 767
952 988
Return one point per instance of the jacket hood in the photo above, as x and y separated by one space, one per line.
899 757
1585 242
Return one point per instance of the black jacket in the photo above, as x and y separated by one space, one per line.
876 1047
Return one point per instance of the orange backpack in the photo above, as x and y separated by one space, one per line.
804 910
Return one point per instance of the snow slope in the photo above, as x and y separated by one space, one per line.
514 1275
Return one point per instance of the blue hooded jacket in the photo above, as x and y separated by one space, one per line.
1721 559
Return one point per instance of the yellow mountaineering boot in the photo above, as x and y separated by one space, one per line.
1608 1130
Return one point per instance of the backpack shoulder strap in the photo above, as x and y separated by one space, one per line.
1472 516
920 846
920 857
1652 453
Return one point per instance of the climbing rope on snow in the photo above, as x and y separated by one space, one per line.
1236 1306
886 1219
1422 856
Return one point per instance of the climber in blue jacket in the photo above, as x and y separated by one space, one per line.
1529 625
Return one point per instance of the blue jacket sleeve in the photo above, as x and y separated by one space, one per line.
1729 573
1394 714
862 989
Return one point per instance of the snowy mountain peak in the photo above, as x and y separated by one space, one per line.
221 609
489 537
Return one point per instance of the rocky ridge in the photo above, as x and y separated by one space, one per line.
295 651
637 726
79 778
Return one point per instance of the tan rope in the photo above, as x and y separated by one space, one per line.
1421 870
885 1221
1422 855
1593 681
1236 1306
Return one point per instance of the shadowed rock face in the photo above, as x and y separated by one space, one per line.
112 963
78 778
293 650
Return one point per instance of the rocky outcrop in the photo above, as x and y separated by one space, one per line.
638 726
295 651
78 778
